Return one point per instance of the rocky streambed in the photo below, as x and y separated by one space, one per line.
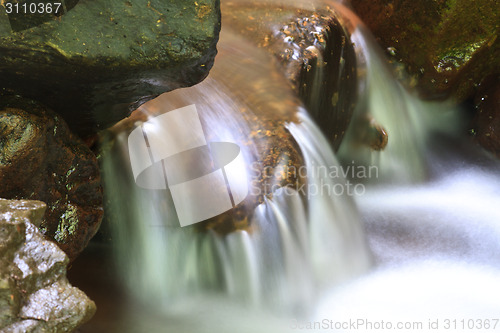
69 76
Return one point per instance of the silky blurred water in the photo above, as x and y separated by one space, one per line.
420 243
298 246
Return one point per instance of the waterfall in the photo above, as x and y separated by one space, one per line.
426 218
431 217
407 120
298 244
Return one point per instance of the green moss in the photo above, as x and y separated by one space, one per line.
68 225
415 27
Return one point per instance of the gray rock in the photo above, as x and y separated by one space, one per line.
35 295
26 326
104 58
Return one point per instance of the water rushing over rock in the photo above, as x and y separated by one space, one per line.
304 237
402 122
294 244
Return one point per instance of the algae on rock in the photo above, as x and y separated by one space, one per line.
449 46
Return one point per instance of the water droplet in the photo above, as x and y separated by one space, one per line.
392 51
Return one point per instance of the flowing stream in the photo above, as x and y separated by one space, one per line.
424 230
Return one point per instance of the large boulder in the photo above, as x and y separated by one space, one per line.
35 295
41 159
104 58
449 46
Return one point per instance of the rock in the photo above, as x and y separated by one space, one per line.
104 58
486 125
449 46
35 295
309 47
41 159
324 73
370 133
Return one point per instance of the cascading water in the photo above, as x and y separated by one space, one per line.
298 243
301 243
431 217
407 119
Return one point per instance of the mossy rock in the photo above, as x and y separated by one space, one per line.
40 159
104 58
449 46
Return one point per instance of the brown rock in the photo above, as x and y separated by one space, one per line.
41 159
314 51
486 126
324 73
449 46
35 295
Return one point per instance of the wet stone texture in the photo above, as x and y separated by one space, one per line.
309 47
35 295
448 46
486 125
104 58
323 73
40 159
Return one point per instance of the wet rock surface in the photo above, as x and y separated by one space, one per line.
324 73
35 295
486 124
104 58
309 47
449 46
41 159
